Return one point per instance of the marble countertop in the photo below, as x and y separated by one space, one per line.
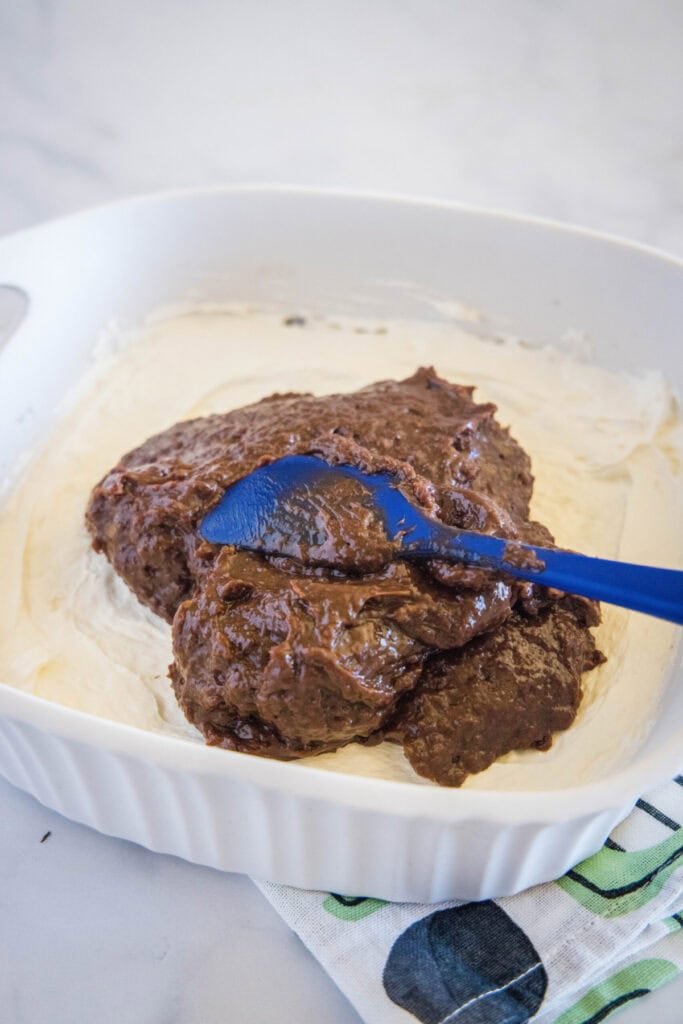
570 111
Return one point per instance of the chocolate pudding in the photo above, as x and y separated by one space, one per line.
335 639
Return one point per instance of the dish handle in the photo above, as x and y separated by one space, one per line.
14 306
21 270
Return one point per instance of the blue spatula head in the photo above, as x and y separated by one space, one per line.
304 508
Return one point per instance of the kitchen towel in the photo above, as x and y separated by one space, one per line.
572 951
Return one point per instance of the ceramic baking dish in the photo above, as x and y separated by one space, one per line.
332 253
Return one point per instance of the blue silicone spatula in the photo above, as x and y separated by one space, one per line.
251 515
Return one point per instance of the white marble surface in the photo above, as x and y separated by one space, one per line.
569 110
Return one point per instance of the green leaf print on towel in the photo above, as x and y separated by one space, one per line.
624 986
674 923
351 908
614 882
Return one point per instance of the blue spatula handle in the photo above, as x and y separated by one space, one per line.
644 589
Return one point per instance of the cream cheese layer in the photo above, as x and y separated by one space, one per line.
607 450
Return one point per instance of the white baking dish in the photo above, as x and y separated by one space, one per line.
333 253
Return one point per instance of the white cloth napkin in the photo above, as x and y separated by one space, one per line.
569 952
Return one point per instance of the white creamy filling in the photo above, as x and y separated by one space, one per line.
606 448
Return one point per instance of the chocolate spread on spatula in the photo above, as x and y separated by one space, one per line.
333 640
